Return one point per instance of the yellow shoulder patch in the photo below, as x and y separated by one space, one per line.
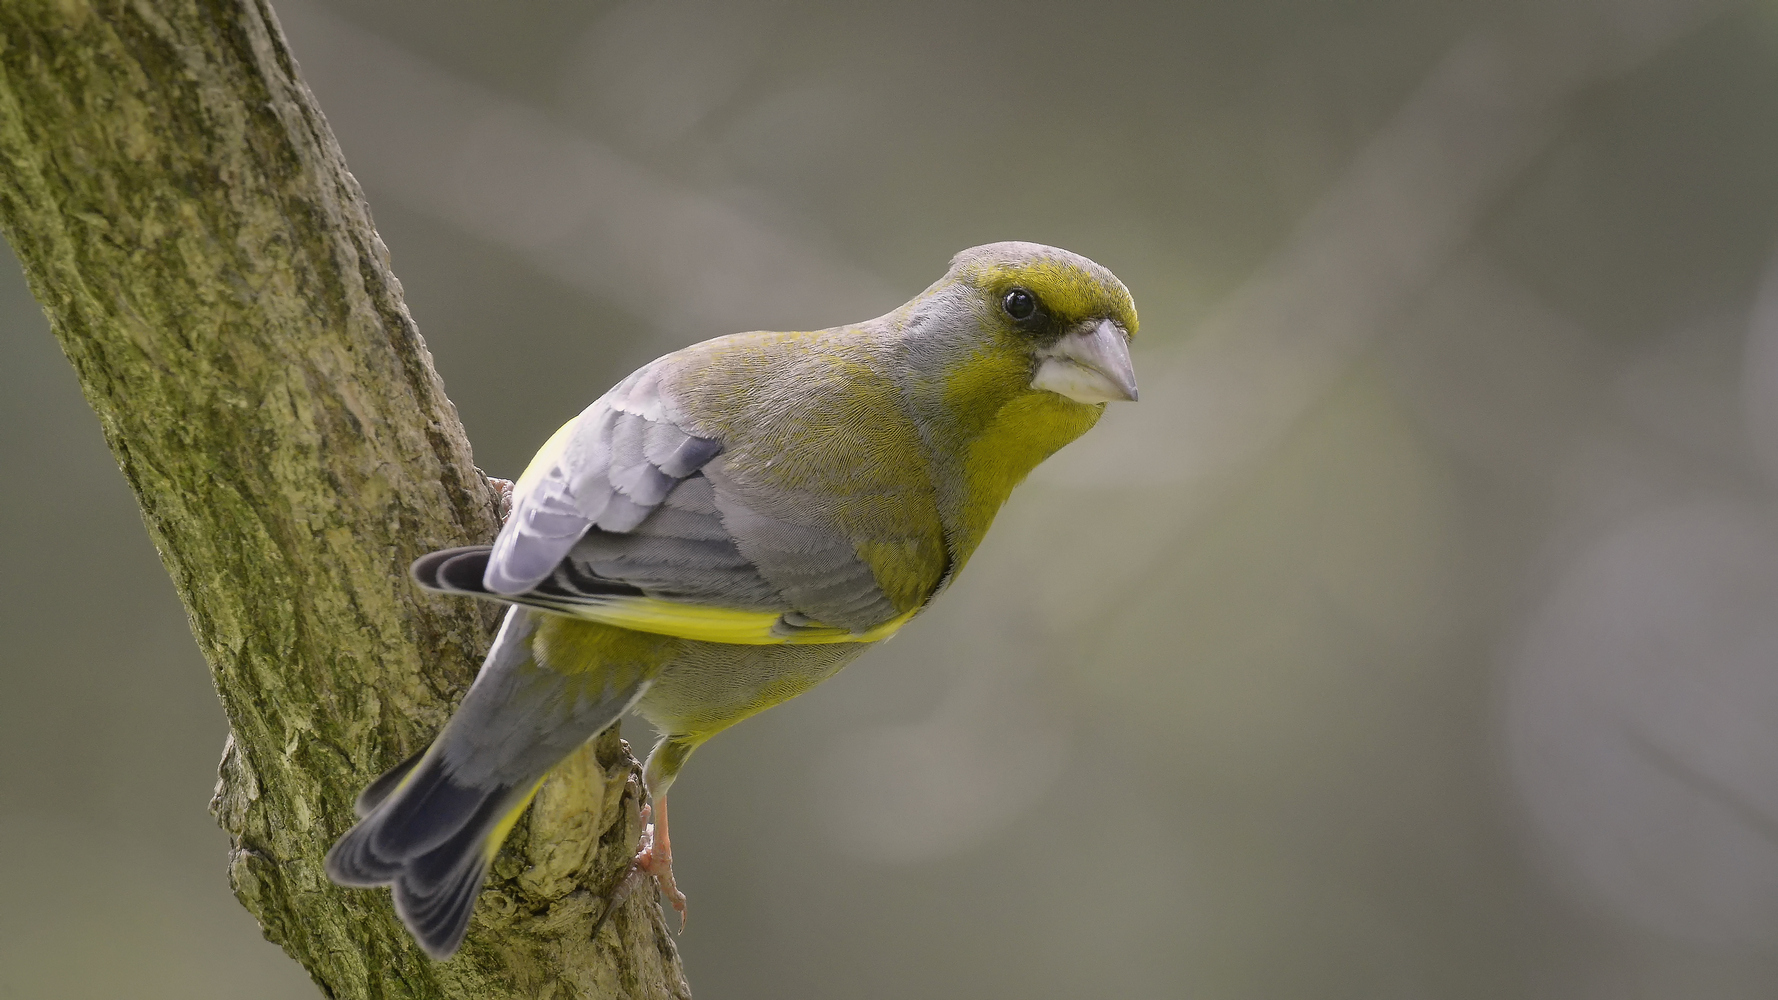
545 458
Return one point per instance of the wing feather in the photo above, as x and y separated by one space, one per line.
596 472
818 571
627 517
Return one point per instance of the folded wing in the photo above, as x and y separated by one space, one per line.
608 468
626 518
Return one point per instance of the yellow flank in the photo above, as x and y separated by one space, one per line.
711 687
497 836
705 623
873 634
572 646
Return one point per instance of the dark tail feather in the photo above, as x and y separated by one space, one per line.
378 790
453 571
429 839
436 893
350 861
429 826
438 920
410 810
432 808
410 816
460 570
425 569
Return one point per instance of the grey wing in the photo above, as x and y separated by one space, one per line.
609 468
705 545
682 552
700 546
818 571
625 497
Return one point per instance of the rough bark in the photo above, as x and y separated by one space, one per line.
210 268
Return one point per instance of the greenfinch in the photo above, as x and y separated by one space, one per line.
727 527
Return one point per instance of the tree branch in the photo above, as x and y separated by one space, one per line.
210 268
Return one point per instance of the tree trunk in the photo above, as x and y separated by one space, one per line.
210 268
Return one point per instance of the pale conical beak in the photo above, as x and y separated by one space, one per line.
1092 366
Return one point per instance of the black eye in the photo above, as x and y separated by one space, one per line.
1020 304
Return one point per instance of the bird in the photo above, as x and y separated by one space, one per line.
726 528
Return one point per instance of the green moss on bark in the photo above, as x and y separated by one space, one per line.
211 270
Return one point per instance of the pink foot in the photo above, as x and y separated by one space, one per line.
656 858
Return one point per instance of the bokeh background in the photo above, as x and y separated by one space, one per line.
1416 636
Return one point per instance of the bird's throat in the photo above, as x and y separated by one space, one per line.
1030 427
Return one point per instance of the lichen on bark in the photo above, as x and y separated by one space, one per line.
211 270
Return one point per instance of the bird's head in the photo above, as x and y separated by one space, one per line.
1023 317
1008 357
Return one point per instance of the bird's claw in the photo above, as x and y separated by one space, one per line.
656 859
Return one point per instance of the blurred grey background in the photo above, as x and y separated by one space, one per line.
1416 636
